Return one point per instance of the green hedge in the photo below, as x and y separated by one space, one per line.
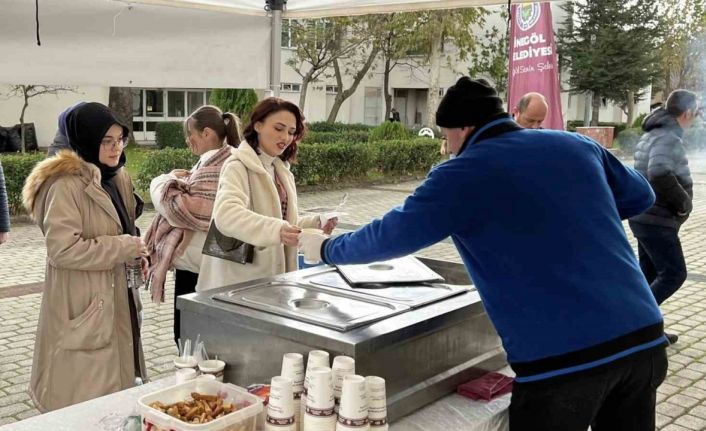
323 126
161 162
351 136
170 135
619 127
389 130
16 168
403 157
322 163
327 163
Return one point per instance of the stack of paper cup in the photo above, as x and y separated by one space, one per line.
280 408
377 403
353 412
319 414
293 368
317 358
342 366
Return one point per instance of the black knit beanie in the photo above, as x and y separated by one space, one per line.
86 126
468 103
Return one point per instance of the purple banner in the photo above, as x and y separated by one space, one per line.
534 65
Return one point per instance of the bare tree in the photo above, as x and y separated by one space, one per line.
317 44
120 102
30 91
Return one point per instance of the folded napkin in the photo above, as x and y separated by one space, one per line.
486 387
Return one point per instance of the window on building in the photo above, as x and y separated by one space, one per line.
137 103
152 126
291 87
195 100
154 106
287 33
372 105
138 126
175 104
332 89
441 91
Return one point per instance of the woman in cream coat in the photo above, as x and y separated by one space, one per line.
256 200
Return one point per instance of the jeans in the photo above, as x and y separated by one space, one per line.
661 258
618 396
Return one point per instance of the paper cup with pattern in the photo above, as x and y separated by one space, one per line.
342 366
317 358
353 411
214 367
280 408
293 368
377 403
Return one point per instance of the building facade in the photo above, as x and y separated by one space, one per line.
409 86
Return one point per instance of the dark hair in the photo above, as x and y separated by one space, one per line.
226 126
681 101
264 109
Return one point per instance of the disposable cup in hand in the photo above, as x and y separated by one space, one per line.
308 259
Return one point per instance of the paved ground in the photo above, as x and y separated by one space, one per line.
682 398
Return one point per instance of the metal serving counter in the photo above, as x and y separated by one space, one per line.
424 339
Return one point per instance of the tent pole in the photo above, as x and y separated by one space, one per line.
276 7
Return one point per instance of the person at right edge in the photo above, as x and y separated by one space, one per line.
661 157
536 217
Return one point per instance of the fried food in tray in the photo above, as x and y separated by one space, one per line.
200 409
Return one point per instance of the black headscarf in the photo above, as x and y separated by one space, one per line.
85 128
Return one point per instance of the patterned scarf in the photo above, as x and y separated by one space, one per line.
189 201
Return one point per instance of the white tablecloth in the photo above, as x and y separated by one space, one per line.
108 413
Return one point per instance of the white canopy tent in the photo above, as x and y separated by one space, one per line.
142 43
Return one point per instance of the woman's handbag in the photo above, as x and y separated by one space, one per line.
225 247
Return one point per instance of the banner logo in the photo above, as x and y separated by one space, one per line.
528 15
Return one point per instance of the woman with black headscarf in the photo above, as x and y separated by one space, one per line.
88 338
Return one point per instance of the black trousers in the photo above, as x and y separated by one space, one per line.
661 258
184 283
618 396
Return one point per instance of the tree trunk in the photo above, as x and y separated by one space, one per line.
22 124
587 104
341 96
386 89
120 102
596 109
631 107
434 74
306 79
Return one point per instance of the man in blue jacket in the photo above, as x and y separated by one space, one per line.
536 216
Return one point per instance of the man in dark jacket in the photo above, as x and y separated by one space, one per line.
661 157
4 210
557 275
